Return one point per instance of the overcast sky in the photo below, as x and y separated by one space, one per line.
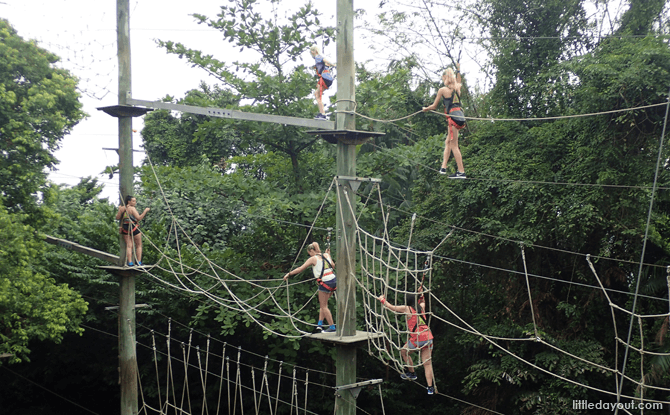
83 34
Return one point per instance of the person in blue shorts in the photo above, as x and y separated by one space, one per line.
322 66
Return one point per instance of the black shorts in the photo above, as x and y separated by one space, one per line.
124 229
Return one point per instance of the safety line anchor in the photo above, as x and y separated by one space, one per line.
355 388
355 182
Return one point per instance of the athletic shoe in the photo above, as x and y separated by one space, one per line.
458 175
320 117
443 171
318 329
330 329
431 390
408 376
139 263
130 264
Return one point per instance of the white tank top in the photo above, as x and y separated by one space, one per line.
328 273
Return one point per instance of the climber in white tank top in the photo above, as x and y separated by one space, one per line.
323 269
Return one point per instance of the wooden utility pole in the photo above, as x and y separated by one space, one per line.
127 352
344 134
345 403
125 113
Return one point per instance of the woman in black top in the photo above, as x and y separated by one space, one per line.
450 94
129 218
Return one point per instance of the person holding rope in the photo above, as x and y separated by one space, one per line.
129 218
324 272
325 79
450 94
420 336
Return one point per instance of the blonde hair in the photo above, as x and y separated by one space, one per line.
314 50
449 73
310 247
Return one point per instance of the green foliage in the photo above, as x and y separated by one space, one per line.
640 17
272 82
183 140
611 159
32 305
529 40
39 105
243 197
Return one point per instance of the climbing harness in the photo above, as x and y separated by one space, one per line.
455 114
331 271
418 323
126 221
319 280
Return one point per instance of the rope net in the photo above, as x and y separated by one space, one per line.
393 271
198 374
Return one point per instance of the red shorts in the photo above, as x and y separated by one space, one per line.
320 87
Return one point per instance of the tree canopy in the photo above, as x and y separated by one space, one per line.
551 231
39 105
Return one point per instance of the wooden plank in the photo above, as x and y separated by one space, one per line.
126 271
237 115
359 337
83 249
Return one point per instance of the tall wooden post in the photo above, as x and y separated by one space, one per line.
127 355
345 403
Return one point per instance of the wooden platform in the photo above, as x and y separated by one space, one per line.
359 337
127 271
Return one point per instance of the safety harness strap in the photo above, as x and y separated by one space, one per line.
323 268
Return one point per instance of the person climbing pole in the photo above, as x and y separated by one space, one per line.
322 67
450 95
323 268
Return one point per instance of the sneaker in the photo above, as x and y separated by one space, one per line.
443 171
130 264
408 376
320 116
318 329
330 329
458 175
431 390
139 263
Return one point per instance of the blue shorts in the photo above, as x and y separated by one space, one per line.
420 344
331 283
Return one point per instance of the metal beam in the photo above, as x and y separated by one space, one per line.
83 249
234 114
355 388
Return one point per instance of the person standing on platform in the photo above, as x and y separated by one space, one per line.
130 230
322 67
323 268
